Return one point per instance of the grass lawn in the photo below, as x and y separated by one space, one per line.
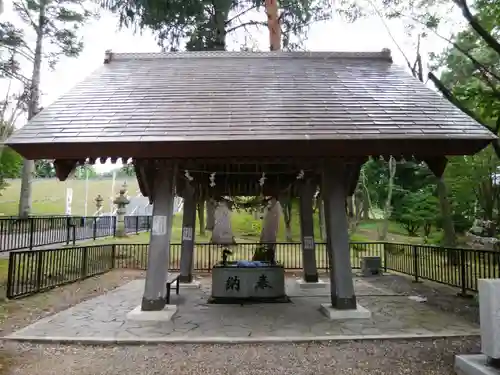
4 269
49 195
396 233
49 199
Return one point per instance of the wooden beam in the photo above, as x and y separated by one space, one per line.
64 168
143 178
437 165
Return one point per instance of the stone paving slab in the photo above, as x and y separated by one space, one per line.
103 319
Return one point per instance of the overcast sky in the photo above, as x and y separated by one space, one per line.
334 35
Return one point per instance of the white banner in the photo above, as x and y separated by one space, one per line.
69 200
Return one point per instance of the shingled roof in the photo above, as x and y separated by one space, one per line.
202 104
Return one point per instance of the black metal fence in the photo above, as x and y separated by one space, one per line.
35 231
459 268
38 270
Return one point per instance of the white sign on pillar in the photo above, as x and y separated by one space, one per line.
159 227
187 234
69 200
308 243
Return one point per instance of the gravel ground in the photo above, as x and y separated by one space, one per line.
16 314
374 357
363 357
440 296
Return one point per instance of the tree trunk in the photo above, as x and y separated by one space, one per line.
321 211
270 225
33 107
201 216
273 24
358 205
269 232
366 205
350 207
222 233
450 238
210 214
382 235
287 213
221 13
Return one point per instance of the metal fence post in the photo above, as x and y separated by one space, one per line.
209 265
10 276
113 218
68 229
39 270
463 276
84 261
32 231
415 263
74 235
385 256
94 234
113 256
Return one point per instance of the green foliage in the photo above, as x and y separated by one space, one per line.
85 171
205 24
58 22
417 209
10 166
11 39
473 186
470 81
44 169
414 201
126 171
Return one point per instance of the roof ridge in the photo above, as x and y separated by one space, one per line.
384 55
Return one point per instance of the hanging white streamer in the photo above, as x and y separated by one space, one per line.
212 179
262 180
188 176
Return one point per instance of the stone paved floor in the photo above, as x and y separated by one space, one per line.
104 317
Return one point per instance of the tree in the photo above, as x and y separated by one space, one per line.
56 23
481 33
470 79
10 166
387 208
126 171
473 78
206 24
12 104
475 187
44 169
417 210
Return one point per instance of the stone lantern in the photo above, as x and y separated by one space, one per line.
121 202
98 202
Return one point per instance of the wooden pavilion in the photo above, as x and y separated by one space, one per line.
214 123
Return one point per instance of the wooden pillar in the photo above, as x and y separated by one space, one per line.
337 236
159 245
188 234
307 233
